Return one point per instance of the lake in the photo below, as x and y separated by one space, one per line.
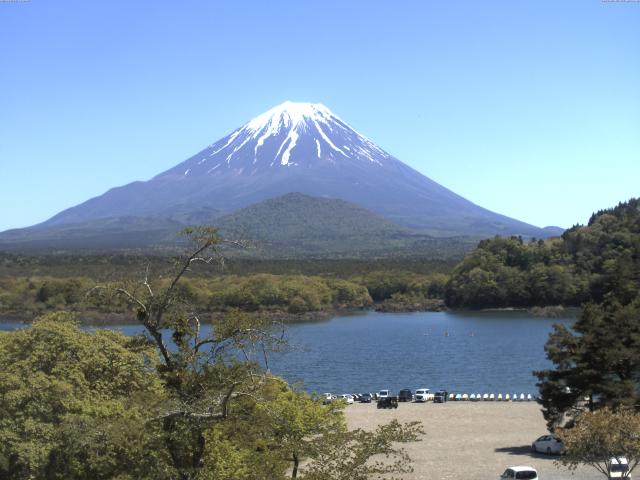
473 352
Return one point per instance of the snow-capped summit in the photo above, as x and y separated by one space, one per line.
290 115
288 135
305 148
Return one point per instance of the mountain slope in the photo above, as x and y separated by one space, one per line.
295 225
298 147
111 233
291 226
295 216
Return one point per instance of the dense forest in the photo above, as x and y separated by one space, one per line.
118 266
587 263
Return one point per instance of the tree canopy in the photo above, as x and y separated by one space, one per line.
586 264
73 404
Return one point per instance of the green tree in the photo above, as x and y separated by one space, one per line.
68 396
599 360
299 424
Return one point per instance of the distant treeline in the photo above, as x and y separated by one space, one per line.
132 265
586 264
258 292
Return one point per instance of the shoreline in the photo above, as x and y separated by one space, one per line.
97 318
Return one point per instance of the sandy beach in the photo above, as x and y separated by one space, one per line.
470 440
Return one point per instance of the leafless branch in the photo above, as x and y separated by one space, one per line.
132 298
146 281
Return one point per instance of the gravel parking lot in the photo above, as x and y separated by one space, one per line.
468 440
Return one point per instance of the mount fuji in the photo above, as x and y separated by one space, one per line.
295 147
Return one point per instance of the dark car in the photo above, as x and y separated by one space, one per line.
365 398
388 402
405 395
440 396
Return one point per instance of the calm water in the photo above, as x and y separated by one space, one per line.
484 352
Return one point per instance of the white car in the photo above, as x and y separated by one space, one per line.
520 472
421 394
327 398
347 398
383 394
548 444
619 468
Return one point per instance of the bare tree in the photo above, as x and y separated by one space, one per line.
203 371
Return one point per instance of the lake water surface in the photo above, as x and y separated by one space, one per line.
473 352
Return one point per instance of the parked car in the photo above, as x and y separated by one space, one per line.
548 444
347 398
388 402
405 395
383 394
520 473
327 398
366 398
619 468
421 394
440 396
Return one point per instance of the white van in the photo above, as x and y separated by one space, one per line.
383 394
422 394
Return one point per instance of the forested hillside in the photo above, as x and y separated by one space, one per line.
587 263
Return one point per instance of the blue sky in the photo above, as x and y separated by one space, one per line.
530 109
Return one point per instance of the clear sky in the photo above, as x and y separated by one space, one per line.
530 109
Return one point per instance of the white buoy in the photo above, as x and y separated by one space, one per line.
485 397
